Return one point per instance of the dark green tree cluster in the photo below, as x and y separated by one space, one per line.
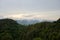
11 30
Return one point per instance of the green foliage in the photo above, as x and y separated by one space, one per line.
11 30
37 39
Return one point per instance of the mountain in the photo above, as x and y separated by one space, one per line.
31 21
11 30
27 22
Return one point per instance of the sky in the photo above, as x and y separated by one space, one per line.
30 9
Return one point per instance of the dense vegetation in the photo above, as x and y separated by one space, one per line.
11 30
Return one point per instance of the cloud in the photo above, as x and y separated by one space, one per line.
1 17
47 15
30 9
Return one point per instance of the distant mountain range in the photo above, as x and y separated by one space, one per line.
31 21
27 21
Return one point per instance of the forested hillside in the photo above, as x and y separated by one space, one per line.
11 30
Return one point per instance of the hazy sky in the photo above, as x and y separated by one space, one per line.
30 9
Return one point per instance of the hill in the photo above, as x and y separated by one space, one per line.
11 30
27 22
